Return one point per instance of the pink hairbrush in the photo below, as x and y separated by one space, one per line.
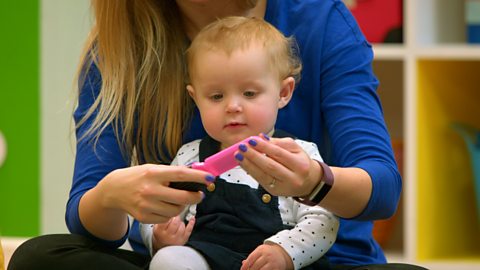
222 161
215 164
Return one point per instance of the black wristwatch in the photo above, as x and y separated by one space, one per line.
321 190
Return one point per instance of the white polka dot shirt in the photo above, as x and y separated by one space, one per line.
314 228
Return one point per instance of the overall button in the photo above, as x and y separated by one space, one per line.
266 198
211 187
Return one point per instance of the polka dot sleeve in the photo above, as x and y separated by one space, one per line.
312 236
315 228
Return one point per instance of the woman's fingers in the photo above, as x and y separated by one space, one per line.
179 197
285 151
266 171
280 165
162 176
267 163
158 213
149 198
167 174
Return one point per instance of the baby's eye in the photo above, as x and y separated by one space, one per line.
249 94
216 97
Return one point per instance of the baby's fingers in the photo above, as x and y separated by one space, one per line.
173 225
248 263
189 227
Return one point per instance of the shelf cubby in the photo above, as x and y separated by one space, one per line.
391 77
428 83
390 90
448 227
439 21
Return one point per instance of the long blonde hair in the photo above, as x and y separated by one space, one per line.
139 48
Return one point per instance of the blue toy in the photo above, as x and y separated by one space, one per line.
471 136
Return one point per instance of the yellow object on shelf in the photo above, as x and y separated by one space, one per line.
447 221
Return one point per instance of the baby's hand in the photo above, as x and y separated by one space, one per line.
172 233
268 256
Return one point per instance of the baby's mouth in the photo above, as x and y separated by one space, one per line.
234 124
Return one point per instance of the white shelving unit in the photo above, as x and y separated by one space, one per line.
427 82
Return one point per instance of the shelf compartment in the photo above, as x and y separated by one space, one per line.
439 21
381 21
390 233
448 227
390 90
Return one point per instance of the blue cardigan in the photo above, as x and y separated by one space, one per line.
335 105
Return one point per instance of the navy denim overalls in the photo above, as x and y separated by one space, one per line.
234 219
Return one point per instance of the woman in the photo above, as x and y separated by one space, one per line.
133 109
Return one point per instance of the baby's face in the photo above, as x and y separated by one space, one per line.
238 95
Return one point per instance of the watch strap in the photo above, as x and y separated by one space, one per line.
321 190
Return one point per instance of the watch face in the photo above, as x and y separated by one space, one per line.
3 149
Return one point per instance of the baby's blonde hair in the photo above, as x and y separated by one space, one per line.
238 33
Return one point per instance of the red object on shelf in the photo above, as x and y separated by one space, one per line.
380 20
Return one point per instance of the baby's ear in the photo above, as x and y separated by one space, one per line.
286 91
191 91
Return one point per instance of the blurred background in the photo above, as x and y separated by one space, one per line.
40 44
427 58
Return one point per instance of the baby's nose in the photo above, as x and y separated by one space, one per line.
234 105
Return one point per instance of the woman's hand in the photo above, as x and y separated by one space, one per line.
141 191
280 166
172 233
268 256
284 169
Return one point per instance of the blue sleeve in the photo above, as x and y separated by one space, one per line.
92 162
335 104
353 115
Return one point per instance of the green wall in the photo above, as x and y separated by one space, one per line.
20 117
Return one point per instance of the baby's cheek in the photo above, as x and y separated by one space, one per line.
212 123
264 120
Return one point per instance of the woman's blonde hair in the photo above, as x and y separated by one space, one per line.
139 48
237 33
